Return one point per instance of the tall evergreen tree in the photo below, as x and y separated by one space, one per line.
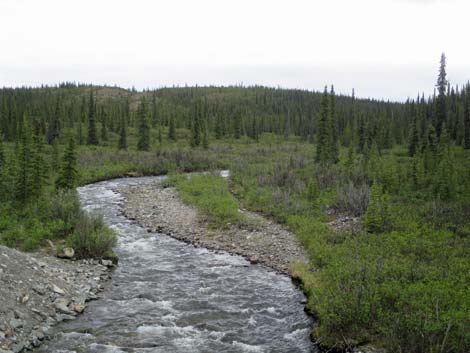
80 132
2 152
39 166
414 138
441 102
53 129
143 144
24 184
287 125
172 129
104 130
92 137
196 125
324 137
466 140
122 143
68 175
334 147
205 136
237 125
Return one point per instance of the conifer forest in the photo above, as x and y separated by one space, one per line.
396 272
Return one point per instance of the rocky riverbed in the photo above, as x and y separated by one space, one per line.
37 291
260 240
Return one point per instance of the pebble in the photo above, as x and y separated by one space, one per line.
37 291
259 240
57 290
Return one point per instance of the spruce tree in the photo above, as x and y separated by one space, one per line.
324 137
104 130
143 144
55 156
414 139
334 147
3 185
2 153
287 125
441 102
39 166
466 139
377 217
53 129
68 174
92 137
80 132
160 134
205 136
122 143
196 125
237 125
24 184
172 129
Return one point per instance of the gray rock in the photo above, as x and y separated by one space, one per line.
107 263
2 335
64 317
79 308
18 347
57 290
39 334
61 304
15 323
66 253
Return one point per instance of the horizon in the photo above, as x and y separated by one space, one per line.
388 51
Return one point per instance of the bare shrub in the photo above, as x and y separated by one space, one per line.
352 199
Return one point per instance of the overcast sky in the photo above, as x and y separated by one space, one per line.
383 48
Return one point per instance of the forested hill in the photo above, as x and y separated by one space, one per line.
228 112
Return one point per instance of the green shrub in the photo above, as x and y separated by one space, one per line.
377 218
65 210
91 237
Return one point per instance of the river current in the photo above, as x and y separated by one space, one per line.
167 296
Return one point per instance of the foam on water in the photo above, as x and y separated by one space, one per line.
167 296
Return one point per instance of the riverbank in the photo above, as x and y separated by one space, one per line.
260 240
38 291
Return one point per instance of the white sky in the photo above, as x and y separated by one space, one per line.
382 48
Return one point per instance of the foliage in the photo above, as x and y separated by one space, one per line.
68 172
405 289
210 194
91 238
377 218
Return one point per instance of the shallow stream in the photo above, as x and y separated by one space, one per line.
167 296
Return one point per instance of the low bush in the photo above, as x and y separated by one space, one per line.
91 237
352 199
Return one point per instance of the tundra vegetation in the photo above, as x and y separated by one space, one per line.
303 158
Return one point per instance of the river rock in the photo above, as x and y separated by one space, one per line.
66 253
57 290
107 263
79 308
16 323
35 293
61 304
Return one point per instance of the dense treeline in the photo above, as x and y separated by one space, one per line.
304 158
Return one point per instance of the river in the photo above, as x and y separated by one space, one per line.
167 296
